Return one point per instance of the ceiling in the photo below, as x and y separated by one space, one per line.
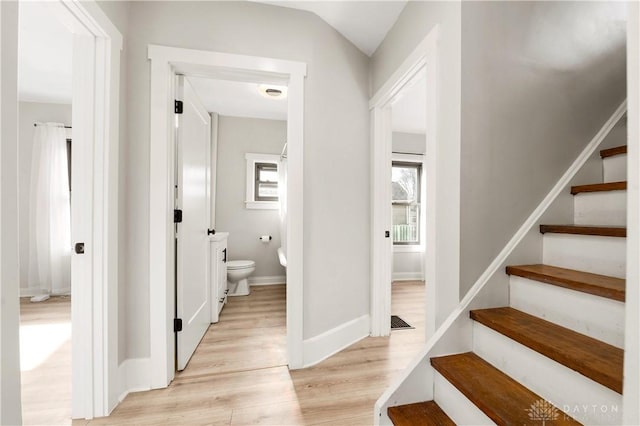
45 52
409 112
237 99
45 48
363 23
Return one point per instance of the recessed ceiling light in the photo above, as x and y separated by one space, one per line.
273 92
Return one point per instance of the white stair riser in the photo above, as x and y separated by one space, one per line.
456 405
614 169
595 316
562 386
607 208
595 254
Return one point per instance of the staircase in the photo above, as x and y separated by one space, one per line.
554 355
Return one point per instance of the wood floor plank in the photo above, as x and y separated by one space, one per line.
585 282
45 341
238 374
422 413
592 358
603 231
501 398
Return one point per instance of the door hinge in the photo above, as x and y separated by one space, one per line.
178 107
177 325
386 234
177 216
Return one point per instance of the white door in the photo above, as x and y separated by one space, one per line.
193 294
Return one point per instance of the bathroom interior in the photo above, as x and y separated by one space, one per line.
248 224
249 132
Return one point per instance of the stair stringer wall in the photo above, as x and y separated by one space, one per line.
416 382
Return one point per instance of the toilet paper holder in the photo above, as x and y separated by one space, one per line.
265 238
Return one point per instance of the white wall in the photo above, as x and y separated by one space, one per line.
29 113
521 107
532 103
631 389
336 195
237 137
408 143
10 408
408 265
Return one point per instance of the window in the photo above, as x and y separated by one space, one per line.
405 200
266 177
262 181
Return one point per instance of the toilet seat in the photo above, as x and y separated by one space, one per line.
240 264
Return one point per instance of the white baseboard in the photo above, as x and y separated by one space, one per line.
321 347
407 276
134 376
30 292
268 280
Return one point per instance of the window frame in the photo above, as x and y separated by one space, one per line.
258 167
251 199
413 160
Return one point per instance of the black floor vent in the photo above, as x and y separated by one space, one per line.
398 323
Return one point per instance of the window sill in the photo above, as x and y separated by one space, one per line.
262 205
408 249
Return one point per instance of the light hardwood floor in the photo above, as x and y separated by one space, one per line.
45 358
238 375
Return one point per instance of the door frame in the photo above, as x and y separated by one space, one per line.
94 308
165 63
96 91
442 195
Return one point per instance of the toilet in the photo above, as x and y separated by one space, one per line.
238 272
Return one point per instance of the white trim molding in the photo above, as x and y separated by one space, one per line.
408 248
134 376
267 280
408 276
321 347
166 62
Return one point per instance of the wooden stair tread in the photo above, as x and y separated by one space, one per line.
501 398
599 187
585 282
613 151
604 231
590 357
422 413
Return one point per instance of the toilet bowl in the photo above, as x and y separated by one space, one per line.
238 272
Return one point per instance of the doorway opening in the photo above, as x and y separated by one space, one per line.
68 54
230 187
45 93
166 64
408 195
440 191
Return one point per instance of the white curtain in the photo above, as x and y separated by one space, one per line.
50 212
282 198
